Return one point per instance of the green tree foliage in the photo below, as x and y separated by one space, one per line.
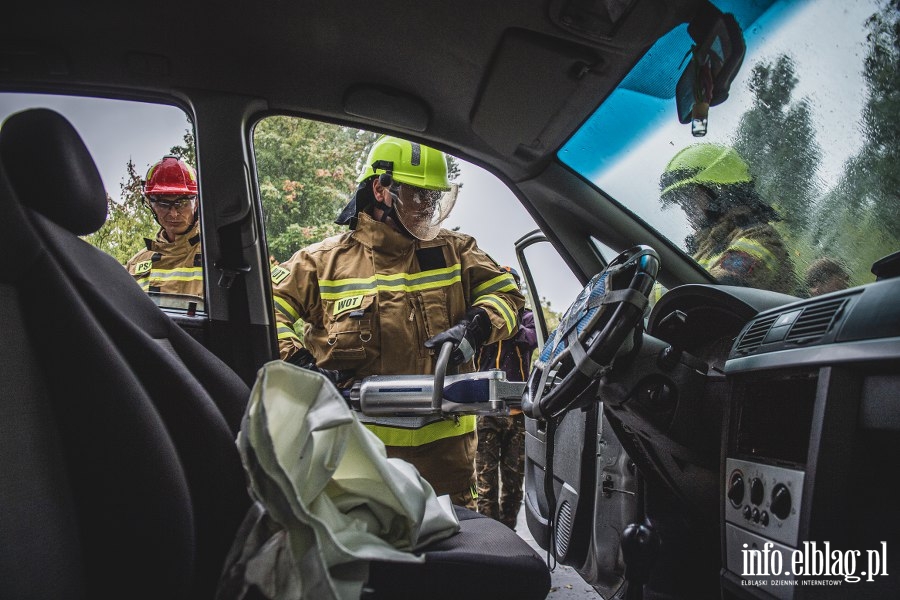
187 150
128 220
769 136
859 219
551 317
307 172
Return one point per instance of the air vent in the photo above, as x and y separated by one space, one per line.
815 321
753 337
563 529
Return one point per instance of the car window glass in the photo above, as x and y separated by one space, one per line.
308 170
125 138
605 251
555 286
794 187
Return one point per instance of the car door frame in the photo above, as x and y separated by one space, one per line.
595 492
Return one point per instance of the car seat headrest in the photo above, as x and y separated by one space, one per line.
52 171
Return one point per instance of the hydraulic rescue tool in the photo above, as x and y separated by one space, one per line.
416 400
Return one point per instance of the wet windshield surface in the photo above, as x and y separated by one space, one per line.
795 187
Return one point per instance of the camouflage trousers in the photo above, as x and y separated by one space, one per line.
500 465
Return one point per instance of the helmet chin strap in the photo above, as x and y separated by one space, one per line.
389 212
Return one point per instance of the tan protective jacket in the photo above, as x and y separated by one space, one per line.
370 298
740 250
170 267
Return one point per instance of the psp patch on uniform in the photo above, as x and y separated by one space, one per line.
345 304
143 267
279 274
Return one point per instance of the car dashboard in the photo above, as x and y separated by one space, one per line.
806 395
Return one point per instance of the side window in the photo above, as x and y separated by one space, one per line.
126 139
308 172
555 286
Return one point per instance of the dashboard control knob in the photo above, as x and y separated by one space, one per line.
736 489
746 512
764 518
757 491
781 501
755 515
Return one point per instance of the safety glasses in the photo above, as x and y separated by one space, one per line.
179 203
416 198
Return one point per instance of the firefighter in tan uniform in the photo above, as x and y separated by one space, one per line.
733 237
172 262
382 298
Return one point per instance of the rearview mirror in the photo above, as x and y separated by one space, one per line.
715 59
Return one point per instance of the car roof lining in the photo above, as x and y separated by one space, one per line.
298 59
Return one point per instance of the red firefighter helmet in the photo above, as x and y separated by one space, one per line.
170 176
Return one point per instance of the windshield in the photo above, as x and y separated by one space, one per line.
795 187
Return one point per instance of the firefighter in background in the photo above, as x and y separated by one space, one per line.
172 262
382 298
500 459
733 237
825 275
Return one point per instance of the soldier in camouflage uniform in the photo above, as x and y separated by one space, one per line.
733 235
500 458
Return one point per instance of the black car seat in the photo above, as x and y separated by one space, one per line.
121 477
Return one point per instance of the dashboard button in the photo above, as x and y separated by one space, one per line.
736 489
757 491
781 501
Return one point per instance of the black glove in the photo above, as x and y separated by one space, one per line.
467 335
304 359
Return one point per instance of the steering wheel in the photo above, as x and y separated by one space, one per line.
595 329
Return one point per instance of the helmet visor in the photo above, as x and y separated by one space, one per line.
422 211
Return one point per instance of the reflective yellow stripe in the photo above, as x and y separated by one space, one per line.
282 306
505 309
188 274
396 436
747 246
405 282
707 263
756 250
286 333
500 283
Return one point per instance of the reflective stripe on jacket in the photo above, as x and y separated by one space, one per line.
170 267
371 297
738 251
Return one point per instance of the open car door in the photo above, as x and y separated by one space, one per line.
581 489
